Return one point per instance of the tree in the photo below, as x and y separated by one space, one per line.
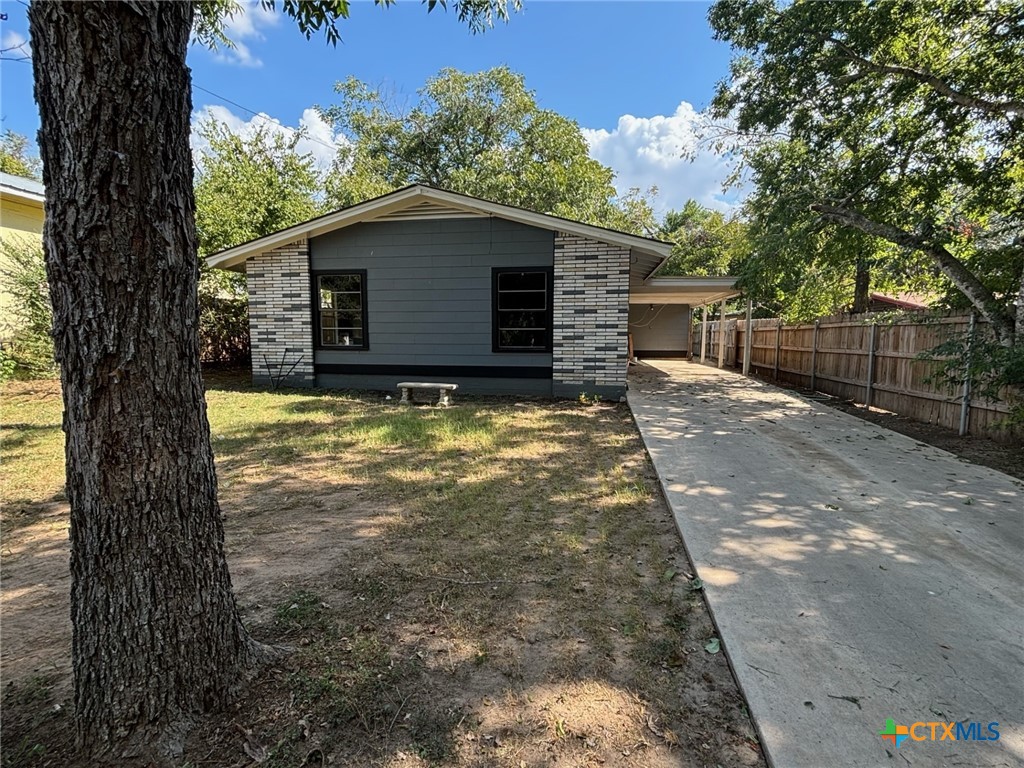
248 187
157 638
480 134
871 119
14 156
706 241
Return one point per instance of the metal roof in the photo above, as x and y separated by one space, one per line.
21 187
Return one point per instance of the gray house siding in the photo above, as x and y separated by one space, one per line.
660 330
429 303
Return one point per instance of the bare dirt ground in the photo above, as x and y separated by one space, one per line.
499 584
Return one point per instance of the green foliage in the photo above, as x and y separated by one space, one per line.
996 372
707 243
322 16
15 158
23 277
875 141
480 134
248 187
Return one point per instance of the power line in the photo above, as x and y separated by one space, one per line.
262 116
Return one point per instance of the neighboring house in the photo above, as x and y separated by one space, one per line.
21 218
432 285
911 302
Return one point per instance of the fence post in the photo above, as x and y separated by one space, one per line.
965 404
871 366
778 346
814 356
748 338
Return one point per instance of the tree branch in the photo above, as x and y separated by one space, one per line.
927 78
965 280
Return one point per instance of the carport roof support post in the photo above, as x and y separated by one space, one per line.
721 336
704 336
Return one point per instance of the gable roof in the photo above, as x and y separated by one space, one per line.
418 201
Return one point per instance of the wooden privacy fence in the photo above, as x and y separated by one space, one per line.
859 359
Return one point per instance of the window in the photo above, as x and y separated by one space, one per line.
342 310
522 310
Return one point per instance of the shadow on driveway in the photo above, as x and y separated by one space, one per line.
855 574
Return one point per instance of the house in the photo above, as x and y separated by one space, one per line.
428 284
907 302
21 219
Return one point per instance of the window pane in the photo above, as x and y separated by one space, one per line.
341 283
522 300
349 320
522 320
341 310
522 339
522 281
350 337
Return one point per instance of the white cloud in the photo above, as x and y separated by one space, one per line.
657 151
15 46
319 140
247 24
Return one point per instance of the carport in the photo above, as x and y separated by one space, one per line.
661 313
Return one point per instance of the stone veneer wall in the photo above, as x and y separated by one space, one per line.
591 311
280 315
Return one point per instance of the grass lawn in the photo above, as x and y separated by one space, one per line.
499 583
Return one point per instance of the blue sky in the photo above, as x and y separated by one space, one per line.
634 75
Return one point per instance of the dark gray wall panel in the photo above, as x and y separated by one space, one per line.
429 287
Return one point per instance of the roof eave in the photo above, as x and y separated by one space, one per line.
381 206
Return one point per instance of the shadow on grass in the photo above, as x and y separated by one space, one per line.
490 583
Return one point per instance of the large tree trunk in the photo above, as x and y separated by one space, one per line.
156 634
861 287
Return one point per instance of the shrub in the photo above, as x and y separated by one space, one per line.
223 318
23 276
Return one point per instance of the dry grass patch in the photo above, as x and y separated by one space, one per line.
499 583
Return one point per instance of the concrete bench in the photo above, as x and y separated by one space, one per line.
445 390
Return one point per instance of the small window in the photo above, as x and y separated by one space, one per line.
522 310
342 310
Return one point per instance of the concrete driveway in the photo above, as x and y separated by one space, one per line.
855 574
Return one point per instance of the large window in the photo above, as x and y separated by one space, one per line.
342 310
522 310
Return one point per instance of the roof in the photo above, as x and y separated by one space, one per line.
904 300
419 201
22 188
695 291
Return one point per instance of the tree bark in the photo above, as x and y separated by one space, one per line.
861 287
157 637
965 280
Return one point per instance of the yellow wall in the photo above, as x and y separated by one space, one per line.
19 220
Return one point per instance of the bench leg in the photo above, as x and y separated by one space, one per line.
406 397
446 398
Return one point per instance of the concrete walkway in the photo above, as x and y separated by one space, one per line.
855 575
